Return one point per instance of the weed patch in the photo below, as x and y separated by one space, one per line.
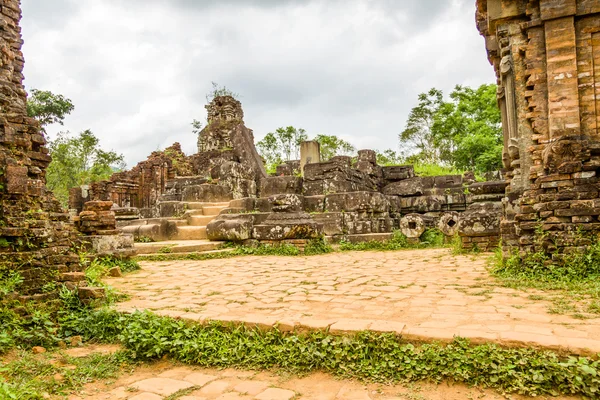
431 238
571 282
368 356
37 377
317 246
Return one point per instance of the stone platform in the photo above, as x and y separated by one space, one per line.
421 294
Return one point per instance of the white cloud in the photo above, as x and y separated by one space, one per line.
138 71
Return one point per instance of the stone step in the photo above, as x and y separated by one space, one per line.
190 233
191 205
177 246
213 210
176 255
199 220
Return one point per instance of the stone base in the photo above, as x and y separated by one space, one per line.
112 245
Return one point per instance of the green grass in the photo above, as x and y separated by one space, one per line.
431 238
435 170
367 356
572 285
33 377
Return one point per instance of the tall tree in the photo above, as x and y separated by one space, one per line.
469 129
464 133
48 108
282 145
418 135
389 157
332 146
78 161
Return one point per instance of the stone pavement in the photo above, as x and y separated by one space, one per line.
158 381
421 294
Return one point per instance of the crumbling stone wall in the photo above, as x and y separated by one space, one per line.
546 55
35 234
141 187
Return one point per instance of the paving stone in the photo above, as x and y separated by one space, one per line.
428 290
251 387
146 396
176 373
199 379
276 394
233 396
162 386
215 388
350 325
387 326
349 392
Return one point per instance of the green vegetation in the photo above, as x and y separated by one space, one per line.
435 170
317 246
9 281
456 245
143 239
367 356
443 137
34 377
389 157
464 133
430 238
281 146
572 282
79 161
76 160
332 146
99 268
218 90
48 108
284 145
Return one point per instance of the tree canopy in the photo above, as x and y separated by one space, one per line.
76 160
463 133
284 145
281 146
332 146
79 161
48 108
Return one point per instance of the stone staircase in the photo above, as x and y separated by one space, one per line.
189 226
193 224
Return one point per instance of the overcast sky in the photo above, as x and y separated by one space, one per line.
138 70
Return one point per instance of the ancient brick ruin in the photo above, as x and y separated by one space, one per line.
35 234
342 199
546 54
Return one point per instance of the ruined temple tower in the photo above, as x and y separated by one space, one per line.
546 54
35 234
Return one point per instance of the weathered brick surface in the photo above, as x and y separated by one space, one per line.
35 234
554 174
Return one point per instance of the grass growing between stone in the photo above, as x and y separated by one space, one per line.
571 285
368 356
34 377
431 238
